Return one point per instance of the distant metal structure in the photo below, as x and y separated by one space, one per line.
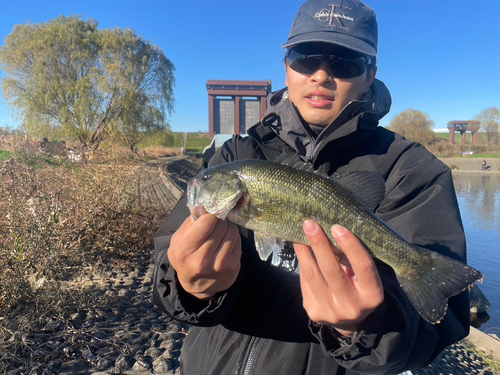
463 126
183 143
234 106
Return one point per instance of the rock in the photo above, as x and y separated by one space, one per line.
168 345
478 301
52 344
152 352
123 363
73 367
162 366
141 365
102 364
52 326
77 316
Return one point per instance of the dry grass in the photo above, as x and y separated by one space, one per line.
59 220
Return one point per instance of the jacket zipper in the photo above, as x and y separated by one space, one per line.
309 158
254 349
252 355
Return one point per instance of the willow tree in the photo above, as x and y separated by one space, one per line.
144 118
490 122
413 125
70 75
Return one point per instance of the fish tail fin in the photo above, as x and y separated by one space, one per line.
438 279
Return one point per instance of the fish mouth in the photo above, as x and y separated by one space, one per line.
230 211
238 207
198 207
195 209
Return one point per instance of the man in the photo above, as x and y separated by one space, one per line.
255 317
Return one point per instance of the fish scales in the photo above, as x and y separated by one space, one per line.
307 196
273 200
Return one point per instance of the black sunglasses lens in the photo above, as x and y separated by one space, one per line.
340 68
306 65
347 69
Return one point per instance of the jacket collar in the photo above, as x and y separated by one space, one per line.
357 120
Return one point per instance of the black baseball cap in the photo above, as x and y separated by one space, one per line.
346 23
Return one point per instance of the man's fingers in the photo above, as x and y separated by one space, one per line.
229 252
194 233
361 261
310 267
324 251
183 228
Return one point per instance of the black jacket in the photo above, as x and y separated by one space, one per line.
259 326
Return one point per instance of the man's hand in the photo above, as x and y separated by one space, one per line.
206 254
334 294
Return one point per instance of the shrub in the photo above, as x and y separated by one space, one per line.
58 217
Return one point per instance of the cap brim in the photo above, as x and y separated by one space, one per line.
342 40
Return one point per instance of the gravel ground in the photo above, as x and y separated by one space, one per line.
131 336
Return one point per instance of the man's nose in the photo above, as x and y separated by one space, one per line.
323 74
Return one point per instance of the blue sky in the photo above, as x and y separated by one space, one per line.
439 57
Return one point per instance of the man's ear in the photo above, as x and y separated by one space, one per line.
286 74
370 77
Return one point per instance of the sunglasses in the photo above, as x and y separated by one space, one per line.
340 67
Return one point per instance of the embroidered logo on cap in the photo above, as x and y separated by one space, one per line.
335 16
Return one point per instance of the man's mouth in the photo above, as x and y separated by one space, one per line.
319 97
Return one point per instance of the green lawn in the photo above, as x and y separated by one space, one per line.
484 156
195 142
446 136
4 155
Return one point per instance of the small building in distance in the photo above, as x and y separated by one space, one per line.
234 106
463 126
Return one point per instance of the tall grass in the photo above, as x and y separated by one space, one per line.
56 215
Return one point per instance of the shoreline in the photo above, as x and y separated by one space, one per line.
464 171
472 165
482 341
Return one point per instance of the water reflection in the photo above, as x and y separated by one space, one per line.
479 304
477 320
482 196
479 199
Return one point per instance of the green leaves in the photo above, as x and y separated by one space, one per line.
489 120
413 125
70 76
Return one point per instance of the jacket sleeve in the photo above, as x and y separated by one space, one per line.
168 294
421 205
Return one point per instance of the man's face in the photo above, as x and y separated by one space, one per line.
321 97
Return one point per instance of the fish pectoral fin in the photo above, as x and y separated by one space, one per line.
438 279
265 245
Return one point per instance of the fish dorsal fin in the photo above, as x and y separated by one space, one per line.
294 160
265 245
369 187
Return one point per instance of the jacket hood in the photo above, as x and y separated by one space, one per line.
363 114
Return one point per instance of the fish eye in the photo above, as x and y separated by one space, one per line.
205 176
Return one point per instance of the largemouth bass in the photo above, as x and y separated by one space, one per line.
273 200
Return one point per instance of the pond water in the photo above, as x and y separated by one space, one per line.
479 200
